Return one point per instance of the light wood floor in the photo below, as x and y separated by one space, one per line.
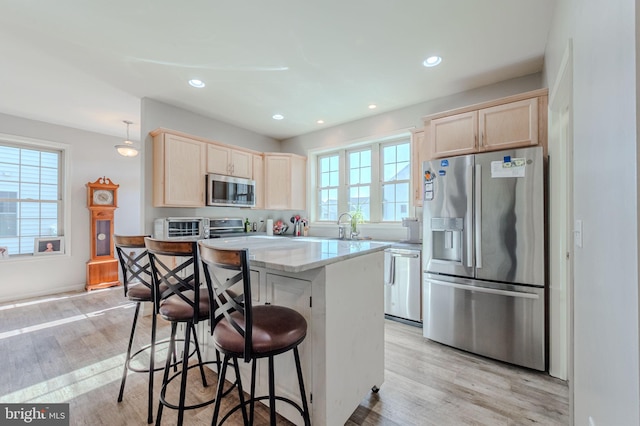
70 348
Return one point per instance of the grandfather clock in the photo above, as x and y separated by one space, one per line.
102 200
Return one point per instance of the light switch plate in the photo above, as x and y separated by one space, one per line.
577 233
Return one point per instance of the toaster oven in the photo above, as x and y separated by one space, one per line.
176 228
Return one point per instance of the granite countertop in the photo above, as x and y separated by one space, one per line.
300 253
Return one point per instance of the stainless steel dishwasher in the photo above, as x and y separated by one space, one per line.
402 275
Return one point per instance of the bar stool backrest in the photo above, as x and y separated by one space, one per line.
132 254
216 265
175 270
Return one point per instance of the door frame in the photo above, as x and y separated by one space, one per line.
561 253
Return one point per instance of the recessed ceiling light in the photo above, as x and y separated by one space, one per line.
432 61
373 106
278 116
320 121
197 83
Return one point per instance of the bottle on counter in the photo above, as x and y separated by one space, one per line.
247 225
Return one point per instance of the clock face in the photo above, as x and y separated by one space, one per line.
103 197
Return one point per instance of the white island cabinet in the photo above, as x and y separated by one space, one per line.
338 287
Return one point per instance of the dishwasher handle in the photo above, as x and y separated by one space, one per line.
391 279
410 255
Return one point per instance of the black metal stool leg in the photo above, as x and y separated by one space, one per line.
152 366
253 391
221 377
303 394
185 371
195 340
128 357
272 393
241 392
167 369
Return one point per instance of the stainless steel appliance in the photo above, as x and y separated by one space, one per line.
173 228
483 251
226 226
402 284
230 191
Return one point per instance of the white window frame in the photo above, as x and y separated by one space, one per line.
64 214
376 145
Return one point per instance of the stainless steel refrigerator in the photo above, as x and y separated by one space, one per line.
484 255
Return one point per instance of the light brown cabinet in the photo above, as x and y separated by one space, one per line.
179 171
228 161
454 135
511 122
285 181
181 163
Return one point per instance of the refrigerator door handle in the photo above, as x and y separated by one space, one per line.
469 219
478 215
521 294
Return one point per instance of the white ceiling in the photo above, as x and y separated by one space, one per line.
87 64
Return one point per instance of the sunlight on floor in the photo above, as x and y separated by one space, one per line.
50 299
70 385
51 324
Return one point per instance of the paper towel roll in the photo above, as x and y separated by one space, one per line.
269 226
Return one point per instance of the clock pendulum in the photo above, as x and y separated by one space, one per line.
102 267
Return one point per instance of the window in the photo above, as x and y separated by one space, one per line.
30 195
396 172
328 187
371 180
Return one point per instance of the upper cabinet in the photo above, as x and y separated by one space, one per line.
228 161
285 181
181 163
509 125
454 135
179 171
511 122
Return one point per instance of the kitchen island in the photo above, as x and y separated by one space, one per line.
337 285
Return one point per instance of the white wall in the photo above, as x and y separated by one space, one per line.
606 361
92 156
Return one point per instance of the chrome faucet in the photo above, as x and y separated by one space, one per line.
342 232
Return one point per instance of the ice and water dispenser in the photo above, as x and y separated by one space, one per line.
447 238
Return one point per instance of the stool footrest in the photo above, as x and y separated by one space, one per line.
260 398
167 404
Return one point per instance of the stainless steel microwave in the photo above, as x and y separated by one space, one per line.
230 191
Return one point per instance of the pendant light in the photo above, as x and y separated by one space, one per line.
127 149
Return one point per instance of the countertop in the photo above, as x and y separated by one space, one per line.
300 253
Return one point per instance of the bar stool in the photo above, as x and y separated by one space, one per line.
241 330
138 288
179 299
